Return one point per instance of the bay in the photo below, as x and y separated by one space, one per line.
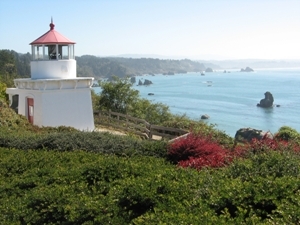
230 99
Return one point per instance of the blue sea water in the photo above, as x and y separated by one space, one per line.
230 98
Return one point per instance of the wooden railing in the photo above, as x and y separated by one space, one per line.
135 125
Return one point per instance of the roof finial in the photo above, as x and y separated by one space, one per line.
51 24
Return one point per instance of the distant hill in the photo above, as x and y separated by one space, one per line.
106 67
158 66
253 63
93 66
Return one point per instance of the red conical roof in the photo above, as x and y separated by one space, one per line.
52 37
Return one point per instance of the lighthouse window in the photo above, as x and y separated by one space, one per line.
71 49
37 52
46 50
65 51
52 51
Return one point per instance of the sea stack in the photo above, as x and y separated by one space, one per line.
267 102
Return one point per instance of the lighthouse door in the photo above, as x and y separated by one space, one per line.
30 110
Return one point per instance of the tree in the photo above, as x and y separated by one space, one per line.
117 95
154 113
2 91
8 70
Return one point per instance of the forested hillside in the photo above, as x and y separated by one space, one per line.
92 66
148 65
12 62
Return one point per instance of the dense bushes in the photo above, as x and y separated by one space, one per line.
75 187
265 188
88 141
288 134
50 187
9 120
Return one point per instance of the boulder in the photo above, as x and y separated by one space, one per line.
248 134
205 117
267 101
140 82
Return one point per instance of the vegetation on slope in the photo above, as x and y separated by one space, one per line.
50 187
63 176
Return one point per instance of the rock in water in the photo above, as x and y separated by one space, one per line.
248 69
147 82
267 101
208 70
133 80
205 117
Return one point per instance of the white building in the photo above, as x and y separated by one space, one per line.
54 95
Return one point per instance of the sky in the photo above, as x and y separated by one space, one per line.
194 29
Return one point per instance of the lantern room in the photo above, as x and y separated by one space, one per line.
53 56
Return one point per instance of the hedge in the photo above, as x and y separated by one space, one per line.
79 187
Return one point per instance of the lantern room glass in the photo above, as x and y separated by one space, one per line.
53 52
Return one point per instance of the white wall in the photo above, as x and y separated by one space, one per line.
53 69
69 108
66 107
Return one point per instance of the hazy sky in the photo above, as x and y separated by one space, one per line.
196 29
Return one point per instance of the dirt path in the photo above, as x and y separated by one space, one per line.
117 132
109 130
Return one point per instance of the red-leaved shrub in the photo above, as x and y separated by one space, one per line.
197 151
264 145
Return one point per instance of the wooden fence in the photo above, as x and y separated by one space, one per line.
137 126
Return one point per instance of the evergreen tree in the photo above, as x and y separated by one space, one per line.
8 70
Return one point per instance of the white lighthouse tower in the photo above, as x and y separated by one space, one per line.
54 95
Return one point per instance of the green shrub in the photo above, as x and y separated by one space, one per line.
2 92
288 134
10 120
76 140
78 187
265 186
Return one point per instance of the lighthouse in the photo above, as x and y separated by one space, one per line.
54 95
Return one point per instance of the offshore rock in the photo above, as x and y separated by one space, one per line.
205 117
267 102
140 82
208 70
248 134
147 82
248 69
133 80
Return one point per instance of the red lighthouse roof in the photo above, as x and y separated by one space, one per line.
52 37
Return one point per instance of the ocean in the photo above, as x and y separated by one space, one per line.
230 99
